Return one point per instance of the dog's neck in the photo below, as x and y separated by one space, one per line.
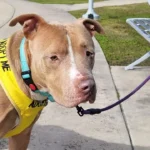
34 95
14 60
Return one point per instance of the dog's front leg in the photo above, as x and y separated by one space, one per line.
20 141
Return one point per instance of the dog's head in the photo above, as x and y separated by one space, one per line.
62 57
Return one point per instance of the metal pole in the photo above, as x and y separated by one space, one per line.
91 13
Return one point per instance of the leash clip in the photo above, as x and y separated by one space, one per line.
80 111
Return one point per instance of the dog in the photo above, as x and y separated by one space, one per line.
43 61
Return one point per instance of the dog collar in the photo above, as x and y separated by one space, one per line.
26 73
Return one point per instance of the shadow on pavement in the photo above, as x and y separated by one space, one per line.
58 138
3 144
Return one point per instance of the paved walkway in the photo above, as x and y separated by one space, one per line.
61 129
96 4
6 9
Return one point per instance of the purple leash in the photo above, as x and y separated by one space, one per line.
94 111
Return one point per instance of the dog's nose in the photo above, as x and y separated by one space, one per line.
86 85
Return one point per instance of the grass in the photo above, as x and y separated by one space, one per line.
121 43
63 1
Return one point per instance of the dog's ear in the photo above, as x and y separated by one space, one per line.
92 26
30 23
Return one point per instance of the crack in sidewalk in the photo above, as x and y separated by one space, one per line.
122 112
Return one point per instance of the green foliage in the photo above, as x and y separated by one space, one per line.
121 43
62 1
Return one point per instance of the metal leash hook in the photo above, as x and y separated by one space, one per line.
80 111
91 111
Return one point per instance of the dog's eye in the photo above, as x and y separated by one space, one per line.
88 53
54 58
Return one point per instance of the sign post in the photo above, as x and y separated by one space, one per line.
91 13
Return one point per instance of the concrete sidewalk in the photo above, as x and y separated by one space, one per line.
96 4
60 128
136 109
6 9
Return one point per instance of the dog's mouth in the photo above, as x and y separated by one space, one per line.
71 96
76 99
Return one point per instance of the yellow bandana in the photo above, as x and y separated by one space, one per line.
27 108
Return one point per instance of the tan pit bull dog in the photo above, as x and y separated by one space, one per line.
43 60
